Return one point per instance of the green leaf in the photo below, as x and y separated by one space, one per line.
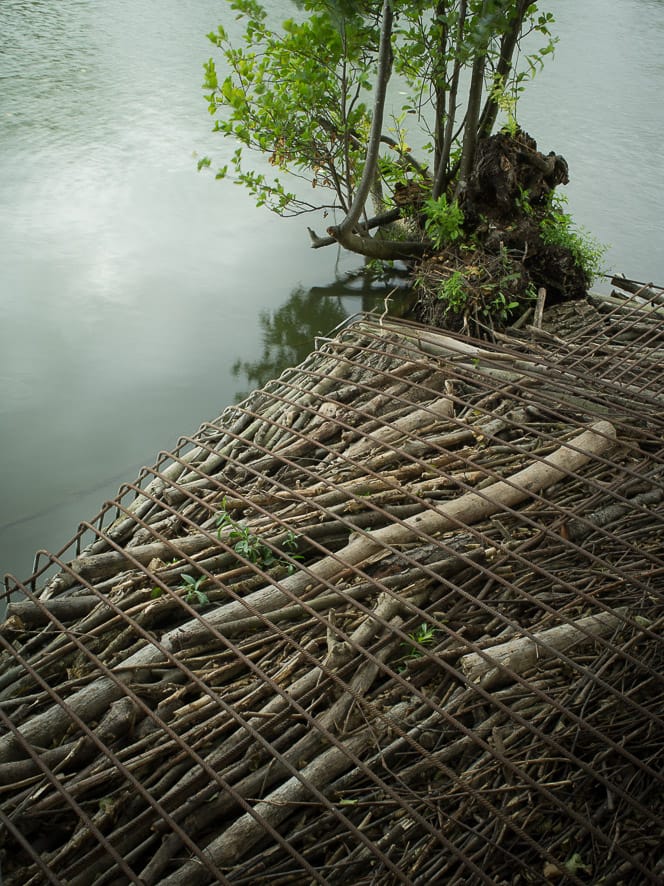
575 863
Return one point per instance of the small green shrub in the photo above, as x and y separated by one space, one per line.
523 201
454 292
443 221
558 229
501 306
249 546
425 635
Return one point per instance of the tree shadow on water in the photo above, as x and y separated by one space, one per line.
289 331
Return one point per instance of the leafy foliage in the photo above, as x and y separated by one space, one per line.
297 92
249 546
455 293
558 229
293 94
192 586
443 221
310 95
423 635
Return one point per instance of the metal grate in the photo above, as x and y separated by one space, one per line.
397 618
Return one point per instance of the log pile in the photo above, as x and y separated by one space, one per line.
397 618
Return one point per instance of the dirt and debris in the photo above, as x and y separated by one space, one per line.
503 258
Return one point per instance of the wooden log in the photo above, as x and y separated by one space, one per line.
645 290
99 566
91 701
66 609
539 307
467 509
414 421
522 653
249 828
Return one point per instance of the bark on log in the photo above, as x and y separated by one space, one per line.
34 614
467 509
645 290
414 420
100 566
522 653
385 218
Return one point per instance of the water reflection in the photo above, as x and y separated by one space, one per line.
288 332
287 336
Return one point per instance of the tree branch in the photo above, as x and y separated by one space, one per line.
473 111
377 221
503 68
442 175
387 250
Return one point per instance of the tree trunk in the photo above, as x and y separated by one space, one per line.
503 68
371 160
472 111
442 169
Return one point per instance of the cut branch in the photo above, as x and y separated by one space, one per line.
493 665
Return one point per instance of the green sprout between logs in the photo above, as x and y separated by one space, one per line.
424 635
248 545
194 595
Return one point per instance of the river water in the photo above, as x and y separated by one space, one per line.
138 297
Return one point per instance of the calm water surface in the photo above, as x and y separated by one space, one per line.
136 295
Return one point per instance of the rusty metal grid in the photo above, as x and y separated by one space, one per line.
396 618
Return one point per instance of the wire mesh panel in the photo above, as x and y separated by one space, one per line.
397 618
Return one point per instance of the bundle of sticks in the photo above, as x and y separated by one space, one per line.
397 618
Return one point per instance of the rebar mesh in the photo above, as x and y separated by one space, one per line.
397 618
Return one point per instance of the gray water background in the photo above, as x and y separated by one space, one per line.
137 296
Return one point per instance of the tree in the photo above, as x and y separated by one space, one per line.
315 96
299 94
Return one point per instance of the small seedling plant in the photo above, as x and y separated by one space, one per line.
424 635
192 586
248 545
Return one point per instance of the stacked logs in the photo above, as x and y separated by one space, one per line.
395 619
